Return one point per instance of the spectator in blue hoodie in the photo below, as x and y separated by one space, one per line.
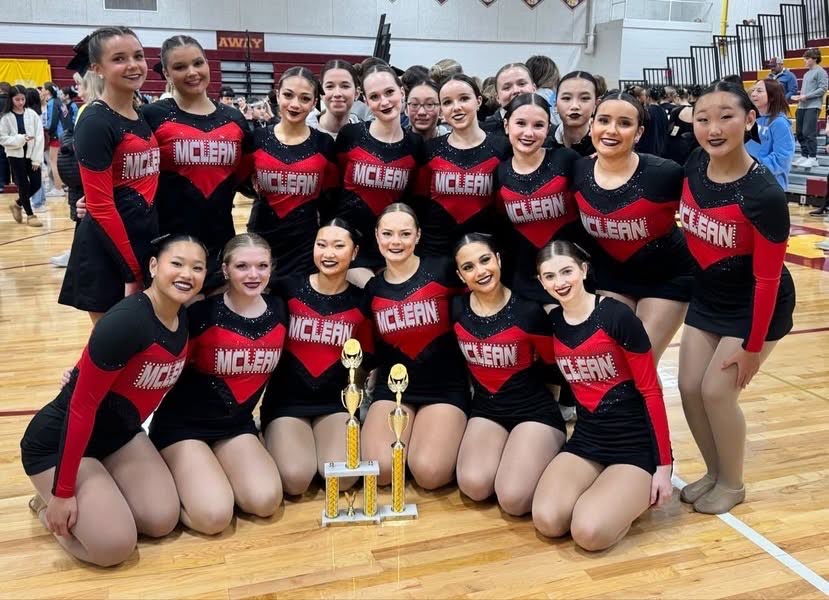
782 75
776 146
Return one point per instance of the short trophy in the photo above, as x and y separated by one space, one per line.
352 398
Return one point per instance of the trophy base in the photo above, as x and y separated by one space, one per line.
343 518
387 514
338 469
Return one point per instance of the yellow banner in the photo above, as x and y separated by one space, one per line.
30 72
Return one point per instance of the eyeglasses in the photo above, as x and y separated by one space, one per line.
416 106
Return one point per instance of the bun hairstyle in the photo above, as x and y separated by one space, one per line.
473 238
243 240
161 244
398 207
641 113
543 71
102 34
744 100
445 68
562 248
524 99
413 76
343 224
463 79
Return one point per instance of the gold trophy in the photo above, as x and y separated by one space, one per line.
398 421
352 398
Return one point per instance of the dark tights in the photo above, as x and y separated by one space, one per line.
27 181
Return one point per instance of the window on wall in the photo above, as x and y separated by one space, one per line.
131 5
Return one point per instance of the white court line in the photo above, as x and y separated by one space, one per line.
767 546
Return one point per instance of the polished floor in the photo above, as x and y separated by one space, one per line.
776 545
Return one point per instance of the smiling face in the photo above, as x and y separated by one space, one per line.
527 128
122 64
616 128
178 272
459 105
562 278
575 102
397 235
333 251
338 91
188 71
720 123
383 96
479 267
296 99
422 108
248 270
511 83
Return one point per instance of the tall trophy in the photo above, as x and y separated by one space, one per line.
398 421
352 398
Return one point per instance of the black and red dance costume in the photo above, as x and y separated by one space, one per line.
119 162
541 208
584 147
456 192
502 352
607 361
309 378
130 362
737 232
413 327
637 248
293 181
200 160
375 174
230 360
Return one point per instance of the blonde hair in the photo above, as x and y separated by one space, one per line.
444 69
243 240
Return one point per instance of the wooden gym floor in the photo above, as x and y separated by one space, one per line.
776 545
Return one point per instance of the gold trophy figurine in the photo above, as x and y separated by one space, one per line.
398 421
352 398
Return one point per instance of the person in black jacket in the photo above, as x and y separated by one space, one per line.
656 125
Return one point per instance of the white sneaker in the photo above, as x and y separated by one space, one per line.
824 245
798 162
39 209
54 193
61 260
810 163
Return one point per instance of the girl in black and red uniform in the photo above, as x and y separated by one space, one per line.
511 80
303 418
533 190
201 144
204 429
455 186
628 202
378 161
515 428
576 97
736 222
617 462
99 479
119 161
410 301
294 167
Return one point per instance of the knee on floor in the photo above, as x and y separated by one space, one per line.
513 500
475 483
261 501
591 535
159 520
210 517
430 474
550 520
297 478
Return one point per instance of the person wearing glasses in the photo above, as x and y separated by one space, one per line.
423 110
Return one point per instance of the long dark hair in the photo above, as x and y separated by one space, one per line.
745 102
562 248
641 113
15 90
525 99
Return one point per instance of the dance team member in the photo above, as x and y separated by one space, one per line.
204 428
628 202
736 221
410 301
423 110
511 80
201 145
294 169
576 97
340 88
455 190
303 418
119 161
617 462
98 477
378 161
515 428
533 190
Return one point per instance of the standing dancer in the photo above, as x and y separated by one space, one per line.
575 102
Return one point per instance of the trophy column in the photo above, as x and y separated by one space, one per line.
398 421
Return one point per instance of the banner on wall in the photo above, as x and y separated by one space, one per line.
238 40
533 3
488 2
572 3
29 72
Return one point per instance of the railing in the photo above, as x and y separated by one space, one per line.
749 50
628 83
687 11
